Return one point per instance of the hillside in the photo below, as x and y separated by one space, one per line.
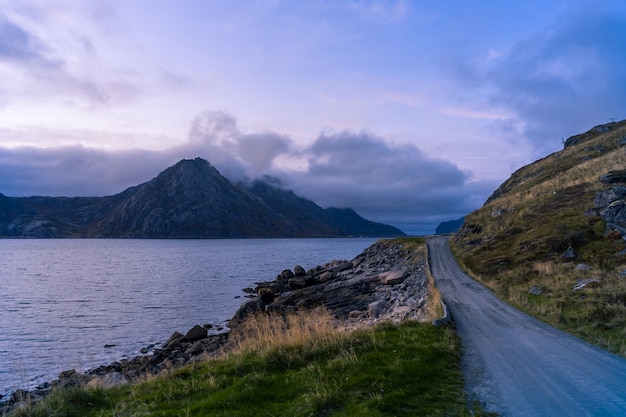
188 200
551 238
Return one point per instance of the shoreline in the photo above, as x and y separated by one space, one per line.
385 282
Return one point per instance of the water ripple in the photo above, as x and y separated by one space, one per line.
64 300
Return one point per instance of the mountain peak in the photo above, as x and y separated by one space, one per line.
190 199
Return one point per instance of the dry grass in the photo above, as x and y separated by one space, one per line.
264 331
434 308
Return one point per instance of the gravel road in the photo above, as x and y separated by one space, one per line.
516 365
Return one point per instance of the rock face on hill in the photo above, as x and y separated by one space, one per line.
188 200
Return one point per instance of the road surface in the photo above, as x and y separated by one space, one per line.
516 365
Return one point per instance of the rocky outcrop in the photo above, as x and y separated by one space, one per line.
610 205
614 177
383 283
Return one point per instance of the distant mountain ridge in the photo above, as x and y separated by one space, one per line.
188 200
450 226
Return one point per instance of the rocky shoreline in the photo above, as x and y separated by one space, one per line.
389 281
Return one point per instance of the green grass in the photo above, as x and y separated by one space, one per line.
409 369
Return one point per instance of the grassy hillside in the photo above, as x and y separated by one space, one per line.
515 243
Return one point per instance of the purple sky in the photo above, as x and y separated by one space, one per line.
410 112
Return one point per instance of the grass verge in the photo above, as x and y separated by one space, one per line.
407 369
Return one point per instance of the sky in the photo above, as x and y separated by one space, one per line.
409 112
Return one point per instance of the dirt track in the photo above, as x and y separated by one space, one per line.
517 366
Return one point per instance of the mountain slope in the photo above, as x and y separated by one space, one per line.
188 200
552 224
352 224
306 216
451 226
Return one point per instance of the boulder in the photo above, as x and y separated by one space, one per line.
535 290
376 308
175 340
299 271
197 332
614 177
285 275
266 295
67 374
325 276
394 277
615 212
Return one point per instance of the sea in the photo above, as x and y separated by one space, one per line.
82 303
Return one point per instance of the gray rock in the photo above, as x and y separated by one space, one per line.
174 340
569 253
614 177
299 271
583 267
536 290
376 308
197 332
296 283
394 277
603 199
325 276
615 212
286 274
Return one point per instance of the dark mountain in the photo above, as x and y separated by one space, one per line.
302 216
188 200
353 224
451 226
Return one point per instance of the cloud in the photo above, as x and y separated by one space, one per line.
395 184
19 46
382 181
63 56
560 80
76 170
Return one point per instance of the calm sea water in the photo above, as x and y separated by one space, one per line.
81 303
